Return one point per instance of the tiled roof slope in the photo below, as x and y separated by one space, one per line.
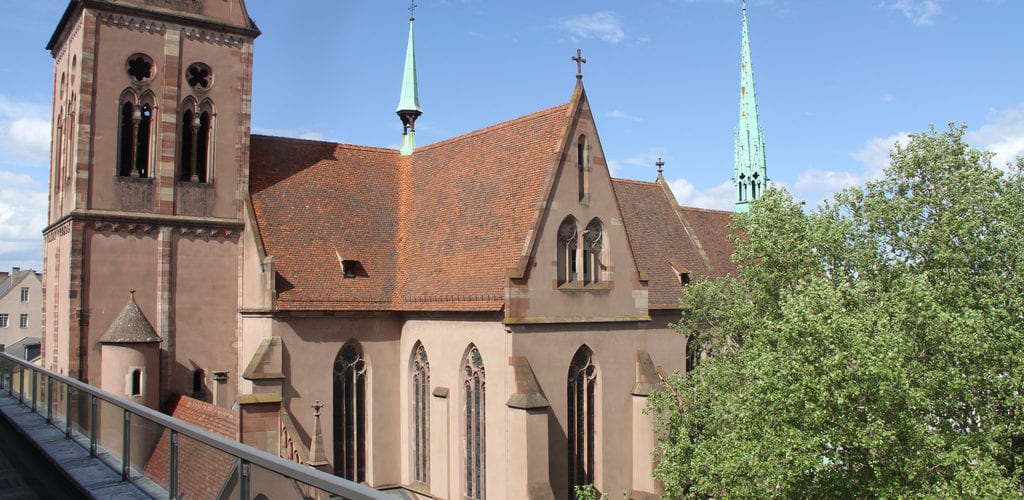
202 470
662 243
434 231
472 201
317 203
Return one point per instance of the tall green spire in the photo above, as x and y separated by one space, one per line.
750 176
409 102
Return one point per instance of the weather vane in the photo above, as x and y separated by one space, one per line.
412 10
659 164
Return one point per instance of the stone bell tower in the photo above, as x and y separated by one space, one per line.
148 173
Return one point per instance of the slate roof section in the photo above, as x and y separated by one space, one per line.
130 327
668 239
437 230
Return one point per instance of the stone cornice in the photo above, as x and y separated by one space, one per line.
111 220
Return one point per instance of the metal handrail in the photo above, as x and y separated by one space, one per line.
249 455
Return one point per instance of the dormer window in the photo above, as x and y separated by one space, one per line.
684 278
350 268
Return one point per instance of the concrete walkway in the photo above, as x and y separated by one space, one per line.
93 477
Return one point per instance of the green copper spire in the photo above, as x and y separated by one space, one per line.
409 103
750 176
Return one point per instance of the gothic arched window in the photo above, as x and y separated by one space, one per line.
420 415
196 137
567 245
350 413
136 120
581 392
473 385
593 243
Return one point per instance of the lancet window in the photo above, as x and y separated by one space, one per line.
593 243
581 393
568 243
473 384
582 165
350 413
420 415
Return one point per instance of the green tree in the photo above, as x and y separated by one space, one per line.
870 348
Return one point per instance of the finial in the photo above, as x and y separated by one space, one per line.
132 292
659 164
412 11
744 2
316 408
580 61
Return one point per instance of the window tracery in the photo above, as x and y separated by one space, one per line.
350 413
421 415
474 387
581 394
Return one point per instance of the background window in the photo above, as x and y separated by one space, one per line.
3 320
23 321
24 294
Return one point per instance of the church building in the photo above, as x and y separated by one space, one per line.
482 317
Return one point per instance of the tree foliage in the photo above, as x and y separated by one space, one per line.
870 348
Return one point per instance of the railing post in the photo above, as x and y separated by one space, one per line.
126 447
92 424
35 393
67 411
49 400
243 479
172 489
21 385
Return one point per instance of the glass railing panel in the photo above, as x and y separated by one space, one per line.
204 471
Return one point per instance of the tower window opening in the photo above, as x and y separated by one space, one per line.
194 156
135 388
567 251
136 125
593 243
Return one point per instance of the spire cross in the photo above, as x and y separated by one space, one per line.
412 10
659 164
580 61
316 408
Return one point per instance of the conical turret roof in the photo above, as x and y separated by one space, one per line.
130 327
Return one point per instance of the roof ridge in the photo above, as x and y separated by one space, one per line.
336 144
634 181
496 126
709 210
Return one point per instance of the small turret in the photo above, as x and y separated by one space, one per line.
409 102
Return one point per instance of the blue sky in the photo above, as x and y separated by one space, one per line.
838 83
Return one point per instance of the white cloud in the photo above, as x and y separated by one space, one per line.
22 219
919 12
887 98
832 181
718 197
1004 135
604 25
24 133
874 155
297 134
624 115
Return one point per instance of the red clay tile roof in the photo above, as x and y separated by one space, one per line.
434 231
667 239
317 203
472 201
202 470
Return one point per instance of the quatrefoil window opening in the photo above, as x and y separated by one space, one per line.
140 68
199 76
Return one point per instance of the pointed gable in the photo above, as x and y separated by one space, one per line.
472 202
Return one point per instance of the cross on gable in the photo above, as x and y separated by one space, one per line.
579 63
